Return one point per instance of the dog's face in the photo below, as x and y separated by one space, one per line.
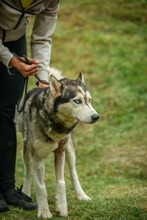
72 99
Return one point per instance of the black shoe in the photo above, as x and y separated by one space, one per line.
16 198
3 205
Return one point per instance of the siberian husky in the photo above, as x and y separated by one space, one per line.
46 122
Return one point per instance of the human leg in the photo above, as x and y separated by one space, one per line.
10 90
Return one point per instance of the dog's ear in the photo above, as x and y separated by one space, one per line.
55 86
81 78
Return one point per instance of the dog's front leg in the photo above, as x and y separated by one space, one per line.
61 202
41 193
71 160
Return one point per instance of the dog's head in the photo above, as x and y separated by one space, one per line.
72 99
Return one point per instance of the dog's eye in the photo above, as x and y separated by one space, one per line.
77 101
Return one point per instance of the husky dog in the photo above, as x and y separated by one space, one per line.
46 122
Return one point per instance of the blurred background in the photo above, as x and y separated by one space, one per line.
107 41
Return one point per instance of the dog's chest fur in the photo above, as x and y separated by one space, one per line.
44 142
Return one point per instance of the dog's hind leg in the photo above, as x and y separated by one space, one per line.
71 161
61 202
41 193
28 170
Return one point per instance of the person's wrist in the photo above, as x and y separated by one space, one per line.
13 62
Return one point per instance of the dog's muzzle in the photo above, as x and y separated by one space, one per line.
94 118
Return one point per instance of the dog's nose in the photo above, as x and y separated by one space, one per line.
95 117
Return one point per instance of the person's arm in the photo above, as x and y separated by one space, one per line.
44 26
5 54
10 60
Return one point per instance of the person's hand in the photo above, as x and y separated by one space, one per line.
25 69
42 85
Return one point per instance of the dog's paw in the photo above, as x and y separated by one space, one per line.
84 197
62 211
46 214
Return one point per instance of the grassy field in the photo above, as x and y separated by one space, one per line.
107 41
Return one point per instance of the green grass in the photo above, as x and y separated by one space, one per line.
107 41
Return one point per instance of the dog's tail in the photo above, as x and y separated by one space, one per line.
56 73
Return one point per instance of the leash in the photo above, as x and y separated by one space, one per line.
25 87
